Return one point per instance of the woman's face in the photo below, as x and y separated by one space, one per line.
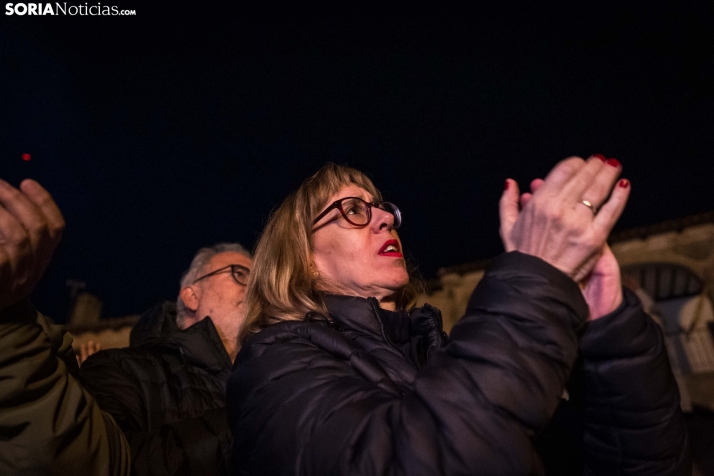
359 261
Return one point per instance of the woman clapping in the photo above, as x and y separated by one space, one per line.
340 374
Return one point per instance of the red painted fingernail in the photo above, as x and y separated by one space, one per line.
624 183
613 162
505 187
600 156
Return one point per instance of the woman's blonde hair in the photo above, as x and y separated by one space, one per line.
283 285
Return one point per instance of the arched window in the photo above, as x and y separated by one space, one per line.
663 281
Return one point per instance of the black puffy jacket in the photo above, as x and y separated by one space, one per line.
167 393
374 392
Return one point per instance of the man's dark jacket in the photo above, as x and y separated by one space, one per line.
167 393
372 392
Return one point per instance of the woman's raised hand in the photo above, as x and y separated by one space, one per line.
30 227
602 288
556 223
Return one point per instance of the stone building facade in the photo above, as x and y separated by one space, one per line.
86 324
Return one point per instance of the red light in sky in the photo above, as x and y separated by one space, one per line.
26 157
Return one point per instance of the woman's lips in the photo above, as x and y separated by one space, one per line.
390 248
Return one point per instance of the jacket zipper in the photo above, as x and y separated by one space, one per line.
375 307
436 315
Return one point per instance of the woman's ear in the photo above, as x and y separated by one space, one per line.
314 272
189 298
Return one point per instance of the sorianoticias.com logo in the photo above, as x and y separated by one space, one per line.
58 8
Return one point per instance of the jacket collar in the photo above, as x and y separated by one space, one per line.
365 315
200 344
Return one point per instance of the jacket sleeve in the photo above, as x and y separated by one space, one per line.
49 424
632 419
297 409
199 445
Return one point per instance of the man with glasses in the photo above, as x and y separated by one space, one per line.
167 390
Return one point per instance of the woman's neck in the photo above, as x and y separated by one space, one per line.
389 303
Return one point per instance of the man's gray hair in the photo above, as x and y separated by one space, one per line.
201 259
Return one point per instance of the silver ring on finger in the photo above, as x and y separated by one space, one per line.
589 204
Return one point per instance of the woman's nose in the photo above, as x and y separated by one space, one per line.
382 219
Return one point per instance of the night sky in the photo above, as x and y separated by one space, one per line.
186 124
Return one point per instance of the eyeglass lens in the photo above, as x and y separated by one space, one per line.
240 274
358 212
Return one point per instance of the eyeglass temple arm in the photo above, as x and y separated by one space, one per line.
326 211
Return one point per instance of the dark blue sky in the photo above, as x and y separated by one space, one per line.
186 124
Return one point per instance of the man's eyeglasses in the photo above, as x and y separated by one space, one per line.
358 212
240 274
